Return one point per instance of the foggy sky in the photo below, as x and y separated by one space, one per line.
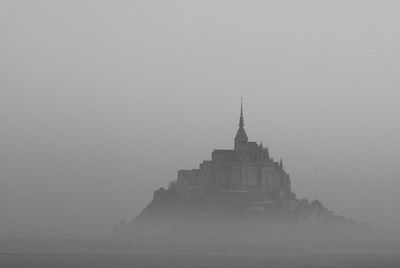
101 102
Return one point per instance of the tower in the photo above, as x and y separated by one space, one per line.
241 136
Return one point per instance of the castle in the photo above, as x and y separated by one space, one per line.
237 188
246 172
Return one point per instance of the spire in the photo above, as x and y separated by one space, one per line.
281 164
241 122
241 136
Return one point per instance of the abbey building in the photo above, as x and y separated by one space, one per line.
236 185
246 171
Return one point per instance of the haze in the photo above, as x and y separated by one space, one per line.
101 102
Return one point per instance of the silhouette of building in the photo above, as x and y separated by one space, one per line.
246 171
243 183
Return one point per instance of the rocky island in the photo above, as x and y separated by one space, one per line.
242 196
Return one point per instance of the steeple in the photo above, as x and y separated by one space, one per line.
241 121
241 136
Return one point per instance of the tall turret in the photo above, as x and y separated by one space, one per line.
267 154
241 136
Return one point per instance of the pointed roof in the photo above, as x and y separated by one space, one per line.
241 121
241 133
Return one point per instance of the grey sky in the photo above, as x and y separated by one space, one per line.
101 102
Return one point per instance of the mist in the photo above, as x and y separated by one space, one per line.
102 102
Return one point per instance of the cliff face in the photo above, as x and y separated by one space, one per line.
212 224
168 203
